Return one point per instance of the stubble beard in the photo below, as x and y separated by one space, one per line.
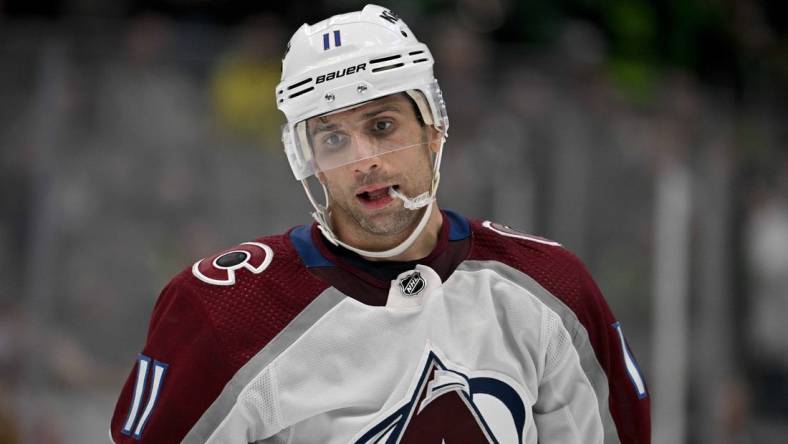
390 221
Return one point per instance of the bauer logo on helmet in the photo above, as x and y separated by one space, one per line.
340 73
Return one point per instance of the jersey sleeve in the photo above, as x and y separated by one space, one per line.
628 397
566 408
176 377
563 283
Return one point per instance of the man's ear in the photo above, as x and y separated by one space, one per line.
321 177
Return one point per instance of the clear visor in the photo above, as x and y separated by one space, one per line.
361 132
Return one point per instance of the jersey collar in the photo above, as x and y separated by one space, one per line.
314 252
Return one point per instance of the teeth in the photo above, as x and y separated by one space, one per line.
378 193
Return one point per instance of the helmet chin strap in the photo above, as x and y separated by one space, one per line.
415 203
424 199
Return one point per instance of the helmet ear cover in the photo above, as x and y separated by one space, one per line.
417 108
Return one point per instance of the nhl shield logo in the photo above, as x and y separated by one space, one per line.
412 284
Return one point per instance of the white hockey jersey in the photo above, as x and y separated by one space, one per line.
494 337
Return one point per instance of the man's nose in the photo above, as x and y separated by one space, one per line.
366 166
366 153
364 146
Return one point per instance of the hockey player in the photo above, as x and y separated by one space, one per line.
388 320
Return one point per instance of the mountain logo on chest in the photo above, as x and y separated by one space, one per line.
450 405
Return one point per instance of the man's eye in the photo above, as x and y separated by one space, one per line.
382 125
333 140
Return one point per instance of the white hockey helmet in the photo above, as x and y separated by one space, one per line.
342 62
346 60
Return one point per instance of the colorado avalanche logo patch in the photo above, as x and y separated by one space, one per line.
447 405
221 268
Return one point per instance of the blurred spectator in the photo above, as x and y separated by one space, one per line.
767 260
464 67
245 79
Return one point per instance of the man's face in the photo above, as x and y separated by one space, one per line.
387 146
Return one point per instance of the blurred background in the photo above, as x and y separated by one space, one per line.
139 136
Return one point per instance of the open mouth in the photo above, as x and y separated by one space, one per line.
376 196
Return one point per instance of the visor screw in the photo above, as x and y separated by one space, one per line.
361 89
329 97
